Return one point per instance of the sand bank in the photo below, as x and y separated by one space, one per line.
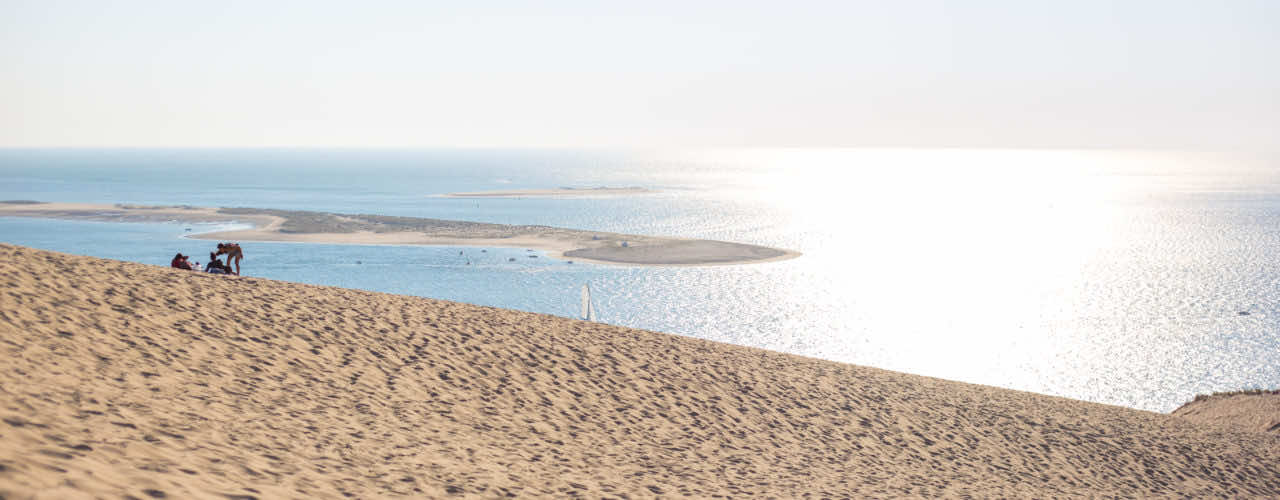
321 227
563 192
1253 411
126 379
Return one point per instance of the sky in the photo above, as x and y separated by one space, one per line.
1169 74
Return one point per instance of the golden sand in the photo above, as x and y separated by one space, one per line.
322 227
1257 412
126 379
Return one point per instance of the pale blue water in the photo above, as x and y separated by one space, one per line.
1115 277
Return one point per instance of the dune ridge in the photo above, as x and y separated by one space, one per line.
1257 411
122 379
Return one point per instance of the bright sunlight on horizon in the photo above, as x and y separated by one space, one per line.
985 74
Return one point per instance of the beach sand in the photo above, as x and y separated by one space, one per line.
321 227
1256 412
126 380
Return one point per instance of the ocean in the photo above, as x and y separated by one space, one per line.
1135 278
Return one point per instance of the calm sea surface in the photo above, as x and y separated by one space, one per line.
1130 278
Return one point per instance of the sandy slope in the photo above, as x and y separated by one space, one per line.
126 379
1248 412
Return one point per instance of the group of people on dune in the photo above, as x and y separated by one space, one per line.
215 265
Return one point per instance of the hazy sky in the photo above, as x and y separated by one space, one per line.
1135 74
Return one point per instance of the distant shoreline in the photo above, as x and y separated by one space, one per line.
566 192
271 225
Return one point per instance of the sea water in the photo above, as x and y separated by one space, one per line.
1131 278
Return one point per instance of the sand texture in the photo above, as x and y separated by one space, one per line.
322 227
562 192
1259 412
121 379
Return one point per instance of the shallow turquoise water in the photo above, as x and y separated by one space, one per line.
1111 277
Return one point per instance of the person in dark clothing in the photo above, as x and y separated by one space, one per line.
180 261
215 265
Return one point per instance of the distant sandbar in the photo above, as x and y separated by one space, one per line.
323 227
554 193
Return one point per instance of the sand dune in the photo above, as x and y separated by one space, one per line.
322 227
1257 412
122 379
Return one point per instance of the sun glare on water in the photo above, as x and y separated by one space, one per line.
940 258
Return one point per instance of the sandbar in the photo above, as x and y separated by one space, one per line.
125 380
562 192
365 229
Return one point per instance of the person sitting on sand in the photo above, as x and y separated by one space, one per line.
233 252
216 266
180 261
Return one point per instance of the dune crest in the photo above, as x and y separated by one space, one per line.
126 379
1256 411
